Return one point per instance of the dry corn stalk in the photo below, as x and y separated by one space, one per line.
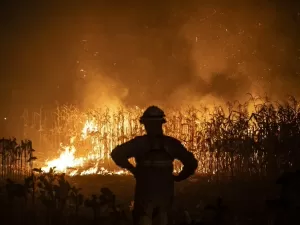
257 137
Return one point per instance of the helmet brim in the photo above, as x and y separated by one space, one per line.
143 120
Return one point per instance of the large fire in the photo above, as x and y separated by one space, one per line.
68 162
88 151
212 135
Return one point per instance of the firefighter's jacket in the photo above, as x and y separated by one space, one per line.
154 158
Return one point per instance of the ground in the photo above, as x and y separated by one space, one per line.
243 199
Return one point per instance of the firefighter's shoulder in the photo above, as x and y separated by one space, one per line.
130 142
173 141
138 139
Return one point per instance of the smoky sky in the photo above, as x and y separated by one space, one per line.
144 52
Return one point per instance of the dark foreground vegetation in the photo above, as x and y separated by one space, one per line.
51 198
250 161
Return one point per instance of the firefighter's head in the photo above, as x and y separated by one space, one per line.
153 118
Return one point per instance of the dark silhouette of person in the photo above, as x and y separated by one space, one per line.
154 154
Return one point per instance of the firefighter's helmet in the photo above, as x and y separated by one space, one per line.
153 113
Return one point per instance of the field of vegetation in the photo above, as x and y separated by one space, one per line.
242 149
255 138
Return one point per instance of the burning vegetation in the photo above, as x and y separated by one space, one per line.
257 137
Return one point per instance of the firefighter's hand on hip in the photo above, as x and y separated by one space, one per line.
176 178
133 171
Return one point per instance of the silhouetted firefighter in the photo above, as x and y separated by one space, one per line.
154 154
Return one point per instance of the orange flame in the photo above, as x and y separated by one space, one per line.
68 163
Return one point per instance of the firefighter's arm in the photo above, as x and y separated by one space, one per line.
188 160
122 153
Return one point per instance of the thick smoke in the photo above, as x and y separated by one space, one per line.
179 54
